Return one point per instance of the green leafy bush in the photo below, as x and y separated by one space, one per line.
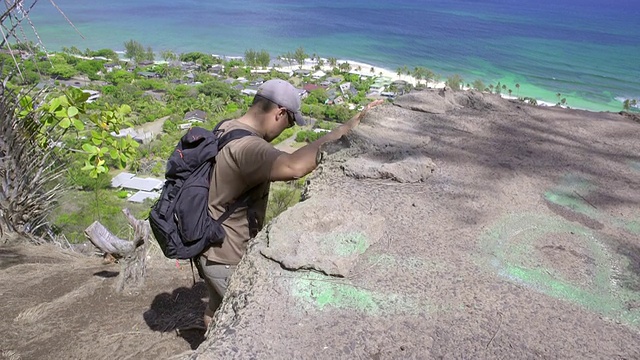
281 197
82 179
79 209
308 136
169 126
287 133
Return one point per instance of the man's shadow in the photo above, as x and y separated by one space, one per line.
180 311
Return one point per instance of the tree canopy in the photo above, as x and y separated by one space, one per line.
136 51
257 58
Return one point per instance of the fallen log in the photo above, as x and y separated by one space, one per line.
132 254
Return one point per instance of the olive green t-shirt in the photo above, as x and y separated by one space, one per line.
242 165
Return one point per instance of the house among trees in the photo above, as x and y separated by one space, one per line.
189 66
149 74
310 87
216 69
145 63
140 137
318 74
93 95
109 67
302 72
192 117
195 116
250 91
257 82
344 87
288 73
379 85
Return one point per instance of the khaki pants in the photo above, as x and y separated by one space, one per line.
216 277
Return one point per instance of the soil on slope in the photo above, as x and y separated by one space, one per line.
58 304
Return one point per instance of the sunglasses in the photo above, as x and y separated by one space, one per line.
290 116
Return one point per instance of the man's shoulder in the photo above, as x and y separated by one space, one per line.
234 124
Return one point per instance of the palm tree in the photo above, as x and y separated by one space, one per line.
163 70
478 85
418 77
626 105
201 103
217 105
345 66
518 90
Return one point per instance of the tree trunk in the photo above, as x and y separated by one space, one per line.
132 254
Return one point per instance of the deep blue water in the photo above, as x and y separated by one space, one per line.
587 50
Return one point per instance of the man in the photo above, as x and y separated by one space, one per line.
248 166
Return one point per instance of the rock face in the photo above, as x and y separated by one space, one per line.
455 225
413 169
319 236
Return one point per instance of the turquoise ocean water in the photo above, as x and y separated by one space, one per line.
587 50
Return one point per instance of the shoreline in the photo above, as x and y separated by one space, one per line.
365 70
310 64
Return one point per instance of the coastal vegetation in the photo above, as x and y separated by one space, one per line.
82 100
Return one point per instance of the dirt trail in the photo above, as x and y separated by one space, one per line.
61 305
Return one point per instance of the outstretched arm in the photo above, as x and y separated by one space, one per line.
304 160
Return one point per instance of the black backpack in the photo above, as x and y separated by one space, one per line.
180 219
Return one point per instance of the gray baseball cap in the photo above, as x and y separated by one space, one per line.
284 94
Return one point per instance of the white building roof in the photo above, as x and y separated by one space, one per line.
125 132
121 178
144 184
318 74
141 196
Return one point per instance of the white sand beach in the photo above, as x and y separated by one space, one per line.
364 69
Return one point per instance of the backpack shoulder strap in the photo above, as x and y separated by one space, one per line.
224 139
229 136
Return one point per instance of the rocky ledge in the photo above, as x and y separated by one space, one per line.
456 225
